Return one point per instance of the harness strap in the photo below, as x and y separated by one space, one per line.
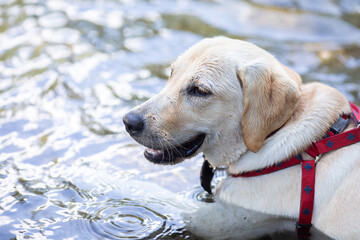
355 113
307 199
338 141
289 163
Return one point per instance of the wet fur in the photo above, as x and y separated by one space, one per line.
259 114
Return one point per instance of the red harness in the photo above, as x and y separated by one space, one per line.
333 141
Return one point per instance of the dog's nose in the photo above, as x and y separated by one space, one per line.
134 123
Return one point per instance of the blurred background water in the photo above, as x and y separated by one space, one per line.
69 70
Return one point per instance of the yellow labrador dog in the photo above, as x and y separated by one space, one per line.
243 109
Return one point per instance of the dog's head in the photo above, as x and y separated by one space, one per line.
223 97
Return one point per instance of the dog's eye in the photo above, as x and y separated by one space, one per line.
199 91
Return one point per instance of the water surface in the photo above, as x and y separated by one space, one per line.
69 70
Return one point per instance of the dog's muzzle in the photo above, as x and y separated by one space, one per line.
164 153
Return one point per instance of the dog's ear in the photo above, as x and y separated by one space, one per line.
270 98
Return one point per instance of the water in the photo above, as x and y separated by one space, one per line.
69 70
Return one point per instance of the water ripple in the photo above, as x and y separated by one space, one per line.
128 219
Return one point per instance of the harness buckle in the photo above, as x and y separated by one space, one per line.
340 125
317 158
302 226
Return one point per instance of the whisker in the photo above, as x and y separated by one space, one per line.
175 147
164 149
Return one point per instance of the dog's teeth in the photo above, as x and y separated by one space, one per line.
153 151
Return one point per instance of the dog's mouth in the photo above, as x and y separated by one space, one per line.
172 155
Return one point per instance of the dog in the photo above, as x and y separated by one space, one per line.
241 108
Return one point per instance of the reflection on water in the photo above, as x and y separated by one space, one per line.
69 70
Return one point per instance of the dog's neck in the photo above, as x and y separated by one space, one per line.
316 112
